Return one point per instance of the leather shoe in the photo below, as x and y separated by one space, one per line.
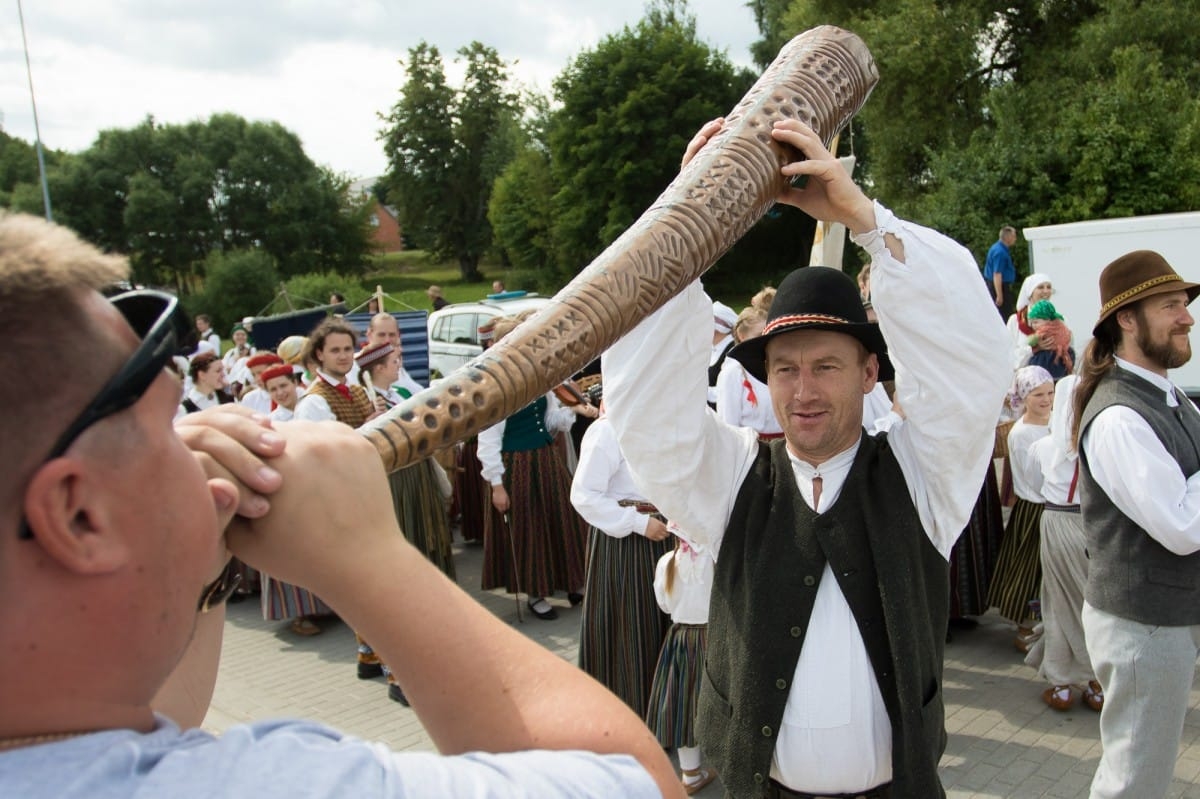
369 671
548 614
704 775
396 694
1093 696
1059 697
574 598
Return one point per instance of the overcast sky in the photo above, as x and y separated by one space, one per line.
322 69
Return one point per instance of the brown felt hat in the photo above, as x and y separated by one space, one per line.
1135 276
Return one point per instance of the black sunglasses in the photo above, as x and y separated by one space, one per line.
163 327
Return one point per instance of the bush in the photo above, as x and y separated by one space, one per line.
314 288
237 283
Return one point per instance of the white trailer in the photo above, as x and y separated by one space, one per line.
1074 254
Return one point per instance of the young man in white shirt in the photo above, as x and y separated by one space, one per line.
1139 457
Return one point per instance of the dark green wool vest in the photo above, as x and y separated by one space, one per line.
1129 573
526 429
764 586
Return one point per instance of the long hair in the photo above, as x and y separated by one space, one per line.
1098 359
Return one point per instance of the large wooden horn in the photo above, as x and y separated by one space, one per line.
821 77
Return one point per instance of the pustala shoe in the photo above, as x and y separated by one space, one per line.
696 780
1059 697
542 609
369 671
1093 696
396 694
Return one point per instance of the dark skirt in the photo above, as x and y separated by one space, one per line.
1018 575
421 512
470 492
542 547
623 628
973 558
675 692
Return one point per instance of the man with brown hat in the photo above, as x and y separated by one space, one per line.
1139 454
831 585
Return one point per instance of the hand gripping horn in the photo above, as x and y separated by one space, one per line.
821 77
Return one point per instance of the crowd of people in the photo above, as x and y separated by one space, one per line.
770 557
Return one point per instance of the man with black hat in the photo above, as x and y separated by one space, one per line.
1139 456
831 584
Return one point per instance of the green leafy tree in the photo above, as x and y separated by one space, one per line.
169 195
628 108
445 148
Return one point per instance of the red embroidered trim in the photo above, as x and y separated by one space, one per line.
800 319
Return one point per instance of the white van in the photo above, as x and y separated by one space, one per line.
454 330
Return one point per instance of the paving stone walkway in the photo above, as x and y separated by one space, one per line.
1003 741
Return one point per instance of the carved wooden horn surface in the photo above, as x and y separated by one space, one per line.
822 77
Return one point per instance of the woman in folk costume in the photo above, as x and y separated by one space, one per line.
1024 339
282 600
209 383
1018 574
1054 353
420 491
418 495
282 384
534 541
742 399
622 629
1060 655
682 584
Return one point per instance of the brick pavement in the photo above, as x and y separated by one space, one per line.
1003 741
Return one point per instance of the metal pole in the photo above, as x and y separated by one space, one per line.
37 130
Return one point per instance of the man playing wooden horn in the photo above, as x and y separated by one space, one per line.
829 604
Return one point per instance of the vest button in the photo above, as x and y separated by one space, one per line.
796 632
758 778
809 580
766 731
781 683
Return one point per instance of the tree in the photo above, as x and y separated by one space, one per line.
1024 111
628 108
169 195
445 148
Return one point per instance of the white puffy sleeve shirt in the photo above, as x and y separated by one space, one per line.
602 480
951 353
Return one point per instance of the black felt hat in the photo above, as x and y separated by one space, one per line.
815 298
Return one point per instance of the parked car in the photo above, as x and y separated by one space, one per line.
454 330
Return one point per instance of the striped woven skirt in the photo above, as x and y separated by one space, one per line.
542 547
470 494
421 512
973 558
282 600
623 628
675 692
1018 575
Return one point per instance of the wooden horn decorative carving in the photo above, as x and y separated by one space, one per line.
821 77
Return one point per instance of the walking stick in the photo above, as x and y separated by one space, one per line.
512 551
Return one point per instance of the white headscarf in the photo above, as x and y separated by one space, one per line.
724 317
1026 380
1031 282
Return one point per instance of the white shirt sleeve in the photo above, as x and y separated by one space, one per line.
729 392
559 417
490 460
950 350
599 463
1021 351
314 408
684 459
1131 465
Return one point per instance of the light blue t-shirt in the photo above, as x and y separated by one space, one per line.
299 759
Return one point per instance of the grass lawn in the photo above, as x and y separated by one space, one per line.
404 277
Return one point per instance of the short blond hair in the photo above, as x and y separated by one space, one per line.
46 271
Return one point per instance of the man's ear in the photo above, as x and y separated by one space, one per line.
1127 319
870 372
70 518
